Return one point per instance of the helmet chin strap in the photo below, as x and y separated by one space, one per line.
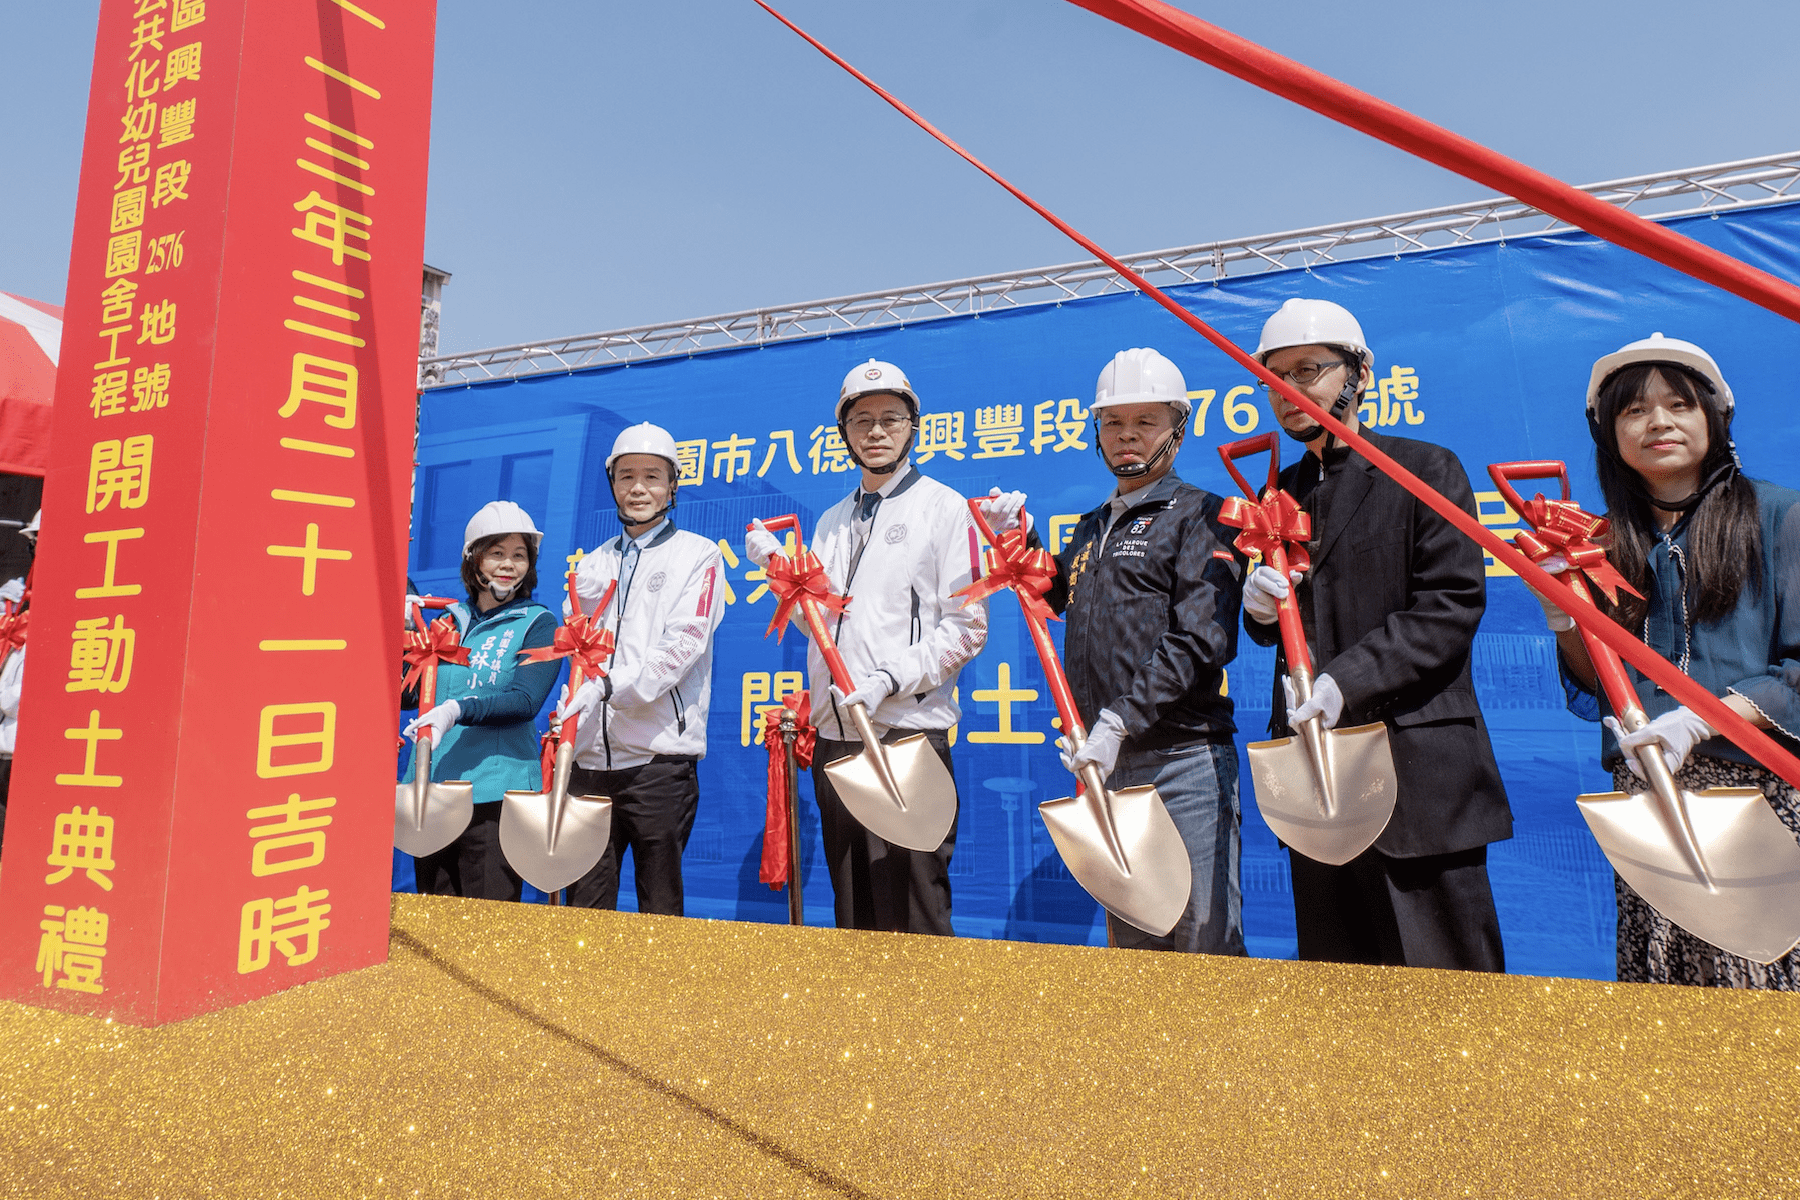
1347 397
1135 470
500 594
899 458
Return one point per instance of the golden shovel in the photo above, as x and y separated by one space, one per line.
1719 862
1122 846
429 816
900 791
1329 792
553 838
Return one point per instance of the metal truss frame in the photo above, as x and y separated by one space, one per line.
1730 186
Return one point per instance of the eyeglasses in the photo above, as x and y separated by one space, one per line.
861 426
1306 373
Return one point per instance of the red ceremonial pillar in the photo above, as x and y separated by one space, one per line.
201 806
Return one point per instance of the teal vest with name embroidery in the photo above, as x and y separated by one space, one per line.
495 758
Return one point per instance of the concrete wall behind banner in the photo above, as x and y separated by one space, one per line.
1483 348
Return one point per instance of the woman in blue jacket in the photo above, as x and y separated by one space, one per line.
1716 555
483 723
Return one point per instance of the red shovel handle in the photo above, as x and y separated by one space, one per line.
1040 638
809 608
1607 664
1287 613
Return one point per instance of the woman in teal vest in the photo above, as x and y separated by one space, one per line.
482 725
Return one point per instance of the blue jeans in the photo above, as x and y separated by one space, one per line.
1198 784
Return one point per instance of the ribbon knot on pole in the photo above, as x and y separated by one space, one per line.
1015 564
1269 523
793 579
436 643
1561 527
583 640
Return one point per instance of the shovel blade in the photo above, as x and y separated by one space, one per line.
923 780
1752 857
449 807
580 837
1152 892
1359 769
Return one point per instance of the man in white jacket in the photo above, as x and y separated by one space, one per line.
899 546
643 725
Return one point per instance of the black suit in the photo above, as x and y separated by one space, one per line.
1392 603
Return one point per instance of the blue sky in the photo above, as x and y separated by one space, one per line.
598 164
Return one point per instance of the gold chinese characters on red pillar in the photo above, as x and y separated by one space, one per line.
201 809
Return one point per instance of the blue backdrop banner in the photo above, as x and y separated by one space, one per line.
1483 348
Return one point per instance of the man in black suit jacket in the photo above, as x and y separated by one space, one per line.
1390 605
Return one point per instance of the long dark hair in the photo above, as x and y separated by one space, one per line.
1725 528
471 576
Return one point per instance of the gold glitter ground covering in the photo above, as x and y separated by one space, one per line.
515 1051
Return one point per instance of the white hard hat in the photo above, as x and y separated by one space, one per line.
1141 376
645 439
499 517
31 527
1313 323
1659 349
870 377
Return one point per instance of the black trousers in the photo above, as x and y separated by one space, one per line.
472 865
876 884
652 816
1435 911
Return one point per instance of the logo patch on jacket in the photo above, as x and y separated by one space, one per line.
1140 524
657 580
895 535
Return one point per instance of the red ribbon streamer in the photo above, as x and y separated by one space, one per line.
1561 527
437 643
1274 521
1656 668
776 851
791 579
1346 105
1017 565
584 641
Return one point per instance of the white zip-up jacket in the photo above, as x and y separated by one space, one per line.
660 676
920 547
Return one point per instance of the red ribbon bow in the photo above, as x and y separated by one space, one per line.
12 630
1561 527
791 579
1275 519
1015 564
437 643
776 851
583 640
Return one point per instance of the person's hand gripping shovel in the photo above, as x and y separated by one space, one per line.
553 838
1122 846
1327 793
1719 863
900 791
429 816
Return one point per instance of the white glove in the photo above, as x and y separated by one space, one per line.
438 719
407 618
1264 590
1327 703
760 544
869 693
1101 747
1558 620
1679 732
585 703
1002 510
